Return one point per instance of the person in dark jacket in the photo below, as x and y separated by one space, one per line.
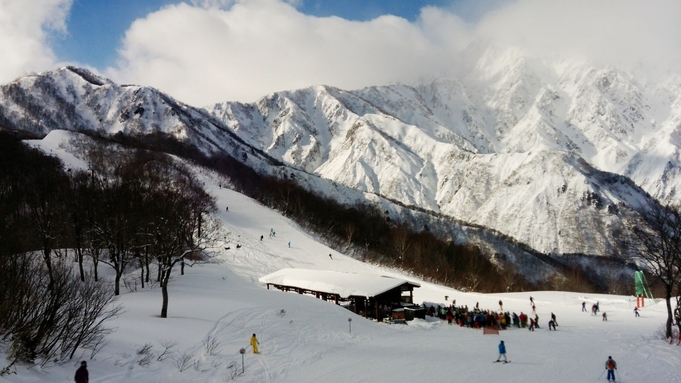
82 375
611 366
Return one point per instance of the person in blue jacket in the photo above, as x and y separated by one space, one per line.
502 352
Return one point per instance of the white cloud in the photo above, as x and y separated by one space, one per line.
24 32
612 32
208 54
219 50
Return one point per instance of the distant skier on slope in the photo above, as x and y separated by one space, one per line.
553 318
611 366
254 344
502 352
552 324
636 312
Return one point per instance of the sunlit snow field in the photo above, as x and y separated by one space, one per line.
312 340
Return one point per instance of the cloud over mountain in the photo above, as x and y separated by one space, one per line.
25 28
241 50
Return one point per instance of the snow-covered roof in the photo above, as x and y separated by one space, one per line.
336 282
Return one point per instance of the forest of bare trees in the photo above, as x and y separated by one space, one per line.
130 209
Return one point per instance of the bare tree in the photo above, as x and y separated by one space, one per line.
657 238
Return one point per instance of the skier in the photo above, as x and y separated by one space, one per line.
605 317
501 305
552 324
261 237
82 376
531 301
536 321
289 244
583 306
531 324
227 208
636 312
254 344
330 257
553 318
502 352
611 366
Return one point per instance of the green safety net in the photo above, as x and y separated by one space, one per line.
641 285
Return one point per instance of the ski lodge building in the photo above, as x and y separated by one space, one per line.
369 295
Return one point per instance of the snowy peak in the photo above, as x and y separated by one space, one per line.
526 148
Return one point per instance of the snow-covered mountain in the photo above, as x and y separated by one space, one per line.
541 152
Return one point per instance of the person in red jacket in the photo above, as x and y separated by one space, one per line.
82 375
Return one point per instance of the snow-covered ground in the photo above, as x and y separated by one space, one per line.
304 339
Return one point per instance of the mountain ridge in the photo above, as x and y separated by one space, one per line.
440 146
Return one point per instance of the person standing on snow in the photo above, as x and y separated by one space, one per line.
553 318
552 324
636 312
583 306
82 376
254 344
611 366
502 352
501 305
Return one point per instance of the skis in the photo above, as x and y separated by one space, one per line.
502 361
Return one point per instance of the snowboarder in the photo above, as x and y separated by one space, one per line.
583 306
553 318
502 352
330 257
82 376
501 305
611 366
636 312
552 324
254 344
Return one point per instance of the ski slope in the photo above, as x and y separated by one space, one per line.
304 339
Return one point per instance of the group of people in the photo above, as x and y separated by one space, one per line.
479 318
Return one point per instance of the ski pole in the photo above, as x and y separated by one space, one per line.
601 375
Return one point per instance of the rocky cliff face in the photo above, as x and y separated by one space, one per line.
543 153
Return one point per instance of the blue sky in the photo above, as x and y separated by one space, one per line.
208 51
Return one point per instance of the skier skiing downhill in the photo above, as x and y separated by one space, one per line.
611 366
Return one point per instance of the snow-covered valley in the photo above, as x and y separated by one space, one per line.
304 339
